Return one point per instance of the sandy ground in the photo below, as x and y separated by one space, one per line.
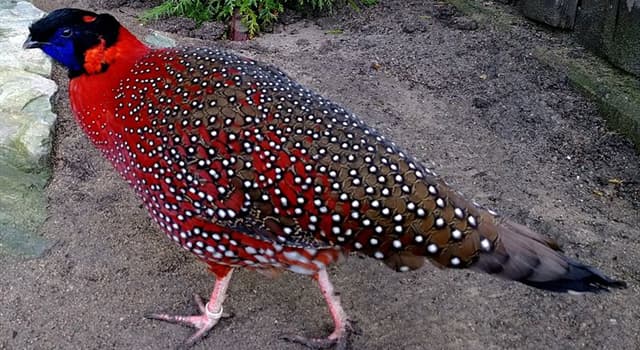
475 105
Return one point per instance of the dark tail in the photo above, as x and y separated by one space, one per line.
522 255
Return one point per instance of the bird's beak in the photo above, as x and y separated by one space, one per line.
31 44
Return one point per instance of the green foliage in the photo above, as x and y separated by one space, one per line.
198 10
357 4
254 14
322 5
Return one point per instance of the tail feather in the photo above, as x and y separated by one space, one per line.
525 256
578 278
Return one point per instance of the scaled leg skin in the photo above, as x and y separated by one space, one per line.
210 313
340 336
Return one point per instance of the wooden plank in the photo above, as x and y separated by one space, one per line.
556 13
612 29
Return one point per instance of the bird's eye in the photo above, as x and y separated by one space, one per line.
67 32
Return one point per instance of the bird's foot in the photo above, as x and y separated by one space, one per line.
339 339
203 323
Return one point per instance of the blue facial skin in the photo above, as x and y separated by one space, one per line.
61 48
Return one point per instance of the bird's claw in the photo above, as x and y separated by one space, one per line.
339 339
318 343
203 323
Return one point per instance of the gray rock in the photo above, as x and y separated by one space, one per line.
26 122
14 24
556 13
612 30
159 39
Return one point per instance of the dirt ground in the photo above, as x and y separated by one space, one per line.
474 104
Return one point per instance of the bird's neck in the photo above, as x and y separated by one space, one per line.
92 93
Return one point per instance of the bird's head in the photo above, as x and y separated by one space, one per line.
80 40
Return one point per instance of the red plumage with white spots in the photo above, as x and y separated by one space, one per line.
244 167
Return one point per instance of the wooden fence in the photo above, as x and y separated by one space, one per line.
609 27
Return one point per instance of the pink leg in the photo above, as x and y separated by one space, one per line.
211 313
340 335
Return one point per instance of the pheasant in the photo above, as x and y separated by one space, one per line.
243 167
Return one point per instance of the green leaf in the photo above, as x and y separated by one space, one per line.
255 14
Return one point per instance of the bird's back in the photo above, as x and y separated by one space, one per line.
208 138
242 166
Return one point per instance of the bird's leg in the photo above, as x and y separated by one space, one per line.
340 336
211 313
